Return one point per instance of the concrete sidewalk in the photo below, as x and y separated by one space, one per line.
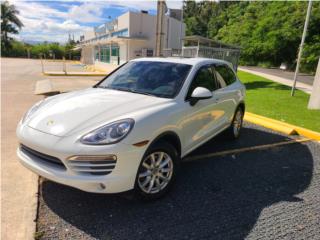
276 77
19 186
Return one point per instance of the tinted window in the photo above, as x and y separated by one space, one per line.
225 75
204 78
161 79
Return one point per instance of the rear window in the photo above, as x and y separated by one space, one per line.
225 75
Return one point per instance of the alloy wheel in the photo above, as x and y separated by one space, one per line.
237 123
156 172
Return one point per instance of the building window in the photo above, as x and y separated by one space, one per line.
115 54
107 56
114 50
123 32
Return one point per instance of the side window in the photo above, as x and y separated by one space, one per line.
216 81
204 78
225 75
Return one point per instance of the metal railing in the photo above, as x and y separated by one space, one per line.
227 54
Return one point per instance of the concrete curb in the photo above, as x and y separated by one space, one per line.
94 68
74 74
279 126
43 87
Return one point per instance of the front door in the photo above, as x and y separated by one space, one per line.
204 119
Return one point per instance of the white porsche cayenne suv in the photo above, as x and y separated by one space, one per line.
131 130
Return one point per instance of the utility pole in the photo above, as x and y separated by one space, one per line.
314 101
301 47
181 25
161 10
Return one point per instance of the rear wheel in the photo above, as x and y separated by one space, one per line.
236 125
157 171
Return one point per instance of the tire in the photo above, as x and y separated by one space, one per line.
157 171
233 132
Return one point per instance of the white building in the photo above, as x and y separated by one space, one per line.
131 35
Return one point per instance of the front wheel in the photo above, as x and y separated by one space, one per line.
157 171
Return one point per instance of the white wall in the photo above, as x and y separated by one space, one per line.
89 34
143 25
87 55
123 21
123 52
172 29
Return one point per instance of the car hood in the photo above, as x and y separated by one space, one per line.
64 114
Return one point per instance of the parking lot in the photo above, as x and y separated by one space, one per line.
270 193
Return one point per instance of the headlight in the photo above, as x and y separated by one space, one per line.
110 133
31 111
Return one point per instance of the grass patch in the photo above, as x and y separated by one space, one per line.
38 235
273 100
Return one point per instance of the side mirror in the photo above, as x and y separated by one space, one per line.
200 93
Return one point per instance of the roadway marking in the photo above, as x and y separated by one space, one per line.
246 149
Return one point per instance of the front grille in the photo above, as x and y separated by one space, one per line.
96 167
41 157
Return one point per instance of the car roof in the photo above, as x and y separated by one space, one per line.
190 61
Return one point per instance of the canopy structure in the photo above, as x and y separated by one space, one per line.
197 46
196 40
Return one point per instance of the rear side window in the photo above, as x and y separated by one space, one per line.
225 75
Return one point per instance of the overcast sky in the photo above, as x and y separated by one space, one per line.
54 20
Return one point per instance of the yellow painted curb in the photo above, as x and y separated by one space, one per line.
279 126
99 69
57 60
308 133
269 123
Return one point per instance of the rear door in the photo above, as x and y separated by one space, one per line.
227 94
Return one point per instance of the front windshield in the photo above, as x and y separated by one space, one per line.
160 79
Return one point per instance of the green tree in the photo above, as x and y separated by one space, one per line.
10 24
18 49
268 32
56 51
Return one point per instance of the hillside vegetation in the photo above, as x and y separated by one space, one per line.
268 32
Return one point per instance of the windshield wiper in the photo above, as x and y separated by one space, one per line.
144 93
128 90
104 87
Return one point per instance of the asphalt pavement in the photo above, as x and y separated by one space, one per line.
302 77
260 194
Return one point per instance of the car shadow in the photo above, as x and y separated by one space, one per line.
217 198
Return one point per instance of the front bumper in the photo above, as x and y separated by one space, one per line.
121 178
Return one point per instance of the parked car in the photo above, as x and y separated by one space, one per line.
131 130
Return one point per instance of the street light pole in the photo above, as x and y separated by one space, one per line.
181 25
301 47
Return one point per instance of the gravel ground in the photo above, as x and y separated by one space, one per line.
266 194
